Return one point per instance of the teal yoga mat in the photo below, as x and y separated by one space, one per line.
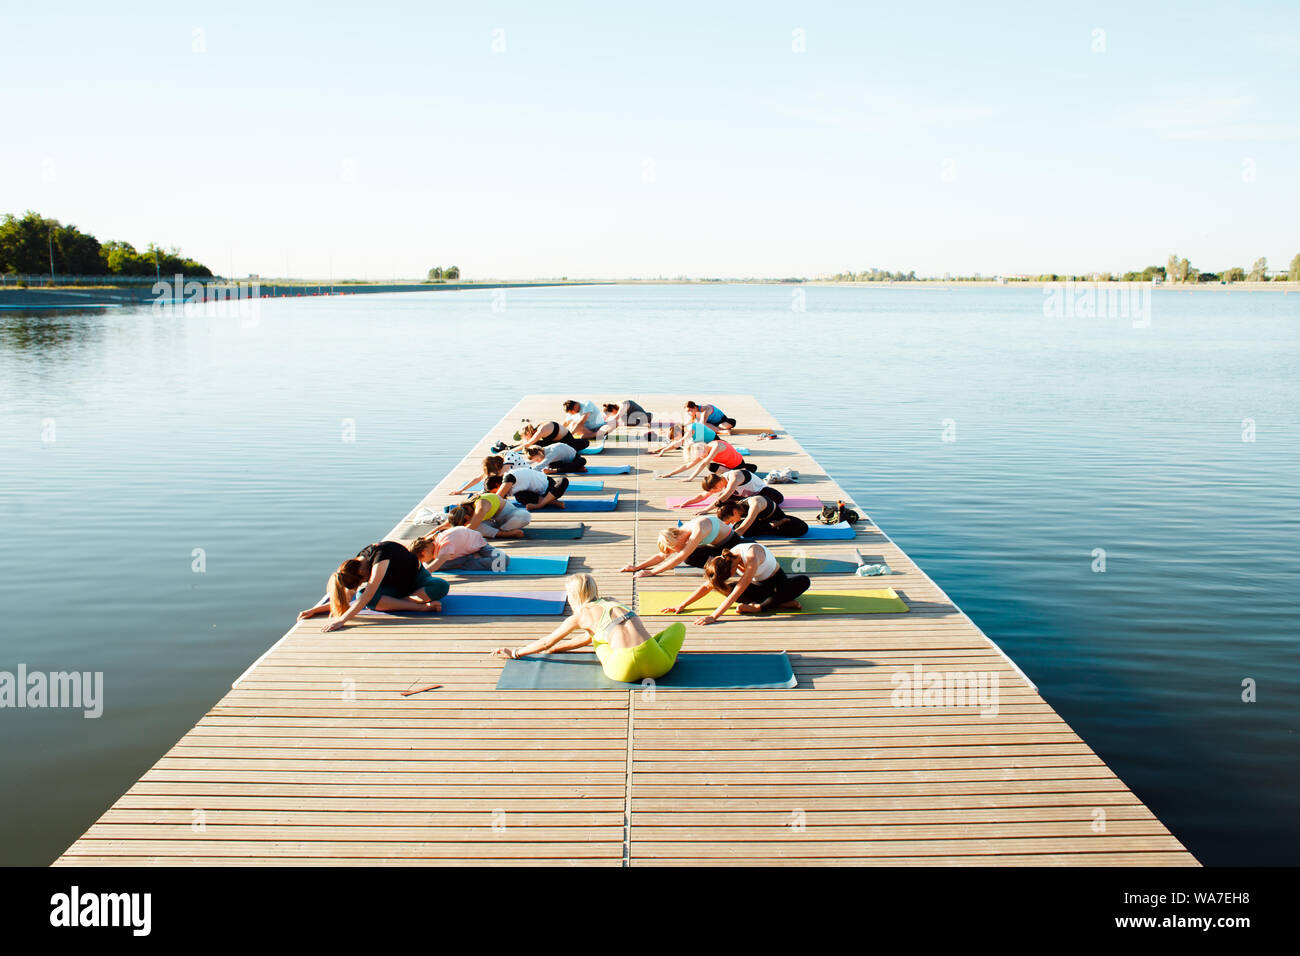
583 504
606 470
526 564
693 671
495 604
554 532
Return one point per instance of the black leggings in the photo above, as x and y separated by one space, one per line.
578 463
776 523
553 487
779 589
703 552
718 469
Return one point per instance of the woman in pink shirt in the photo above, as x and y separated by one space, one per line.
458 548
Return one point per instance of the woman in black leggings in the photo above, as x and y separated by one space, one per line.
763 584
760 515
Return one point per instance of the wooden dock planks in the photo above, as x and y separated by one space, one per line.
315 758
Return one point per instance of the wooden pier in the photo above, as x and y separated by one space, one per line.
315 757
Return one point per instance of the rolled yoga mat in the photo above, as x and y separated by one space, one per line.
791 564
582 504
791 501
495 604
554 532
695 671
882 601
525 564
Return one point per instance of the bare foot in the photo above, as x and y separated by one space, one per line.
518 533
748 609
557 504
791 606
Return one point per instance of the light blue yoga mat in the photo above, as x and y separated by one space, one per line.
693 671
583 504
495 604
607 470
592 449
525 564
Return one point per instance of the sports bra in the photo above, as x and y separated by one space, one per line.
493 500
752 486
765 570
719 530
610 605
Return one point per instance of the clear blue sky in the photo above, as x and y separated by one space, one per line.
374 140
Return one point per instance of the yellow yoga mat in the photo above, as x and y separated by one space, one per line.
878 601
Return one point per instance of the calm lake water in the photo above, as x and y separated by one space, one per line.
131 439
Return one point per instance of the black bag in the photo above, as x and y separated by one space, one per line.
834 514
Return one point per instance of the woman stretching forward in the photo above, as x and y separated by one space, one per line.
763 584
457 548
737 483
710 415
394 580
757 515
626 650
717 455
694 542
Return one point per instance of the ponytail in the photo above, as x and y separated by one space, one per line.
712 480
427 542
720 569
347 578
493 464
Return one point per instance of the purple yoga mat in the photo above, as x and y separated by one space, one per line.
791 501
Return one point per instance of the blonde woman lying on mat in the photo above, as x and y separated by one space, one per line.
763 584
626 650
717 455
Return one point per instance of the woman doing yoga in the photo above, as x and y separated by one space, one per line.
763 584
693 543
757 516
626 650
393 579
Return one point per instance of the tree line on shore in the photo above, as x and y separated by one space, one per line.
1176 270
441 274
32 245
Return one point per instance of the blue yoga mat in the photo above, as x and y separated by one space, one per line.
495 604
816 532
592 449
573 485
608 470
693 671
530 564
583 504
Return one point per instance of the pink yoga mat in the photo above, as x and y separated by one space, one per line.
791 501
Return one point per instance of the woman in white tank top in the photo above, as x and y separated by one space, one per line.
763 584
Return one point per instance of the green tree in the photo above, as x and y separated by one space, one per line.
435 274
1234 274
1293 274
1259 271
451 273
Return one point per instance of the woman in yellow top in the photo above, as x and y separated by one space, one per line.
625 649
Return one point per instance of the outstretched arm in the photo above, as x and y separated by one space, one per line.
702 590
471 483
551 640
746 576
677 557
750 518
702 463
377 572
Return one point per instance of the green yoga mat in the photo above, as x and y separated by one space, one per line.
693 671
875 601
554 532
